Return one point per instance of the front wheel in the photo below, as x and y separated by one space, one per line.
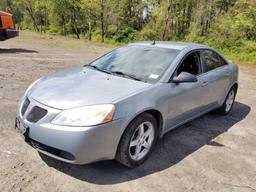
137 141
228 103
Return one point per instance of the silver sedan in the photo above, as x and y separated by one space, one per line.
117 106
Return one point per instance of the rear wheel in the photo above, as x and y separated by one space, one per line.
228 103
137 141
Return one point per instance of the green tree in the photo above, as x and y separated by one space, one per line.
89 12
61 13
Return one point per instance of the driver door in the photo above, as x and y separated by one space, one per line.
186 100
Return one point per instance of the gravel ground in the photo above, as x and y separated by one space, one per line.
211 153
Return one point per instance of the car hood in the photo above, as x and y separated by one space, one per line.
83 86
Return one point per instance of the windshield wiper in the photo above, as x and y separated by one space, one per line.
114 72
97 68
125 75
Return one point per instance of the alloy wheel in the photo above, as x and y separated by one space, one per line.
230 100
141 141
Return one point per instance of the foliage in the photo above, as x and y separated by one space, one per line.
227 25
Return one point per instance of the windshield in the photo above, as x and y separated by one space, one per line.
143 63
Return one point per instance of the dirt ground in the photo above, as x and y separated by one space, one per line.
212 153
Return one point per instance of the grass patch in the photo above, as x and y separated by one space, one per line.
245 53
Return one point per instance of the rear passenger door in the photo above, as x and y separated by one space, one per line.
215 76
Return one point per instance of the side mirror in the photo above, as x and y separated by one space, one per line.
184 77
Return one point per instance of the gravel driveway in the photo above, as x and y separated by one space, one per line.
211 153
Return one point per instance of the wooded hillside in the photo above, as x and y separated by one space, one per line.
228 25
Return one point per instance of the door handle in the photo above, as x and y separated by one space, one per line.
204 83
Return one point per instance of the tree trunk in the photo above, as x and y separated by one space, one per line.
90 30
77 32
166 21
45 21
31 14
102 22
76 29
63 25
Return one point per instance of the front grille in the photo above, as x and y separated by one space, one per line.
36 114
25 106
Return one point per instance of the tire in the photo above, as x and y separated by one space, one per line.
228 104
132 156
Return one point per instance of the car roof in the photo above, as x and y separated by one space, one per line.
171 45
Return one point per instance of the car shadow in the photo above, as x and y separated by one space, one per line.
170 150
16 50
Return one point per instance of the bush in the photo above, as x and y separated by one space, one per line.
149 34
126 34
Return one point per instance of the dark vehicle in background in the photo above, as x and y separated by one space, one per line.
7 27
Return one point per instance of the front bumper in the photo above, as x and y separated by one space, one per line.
77 145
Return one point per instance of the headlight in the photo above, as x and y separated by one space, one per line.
85 116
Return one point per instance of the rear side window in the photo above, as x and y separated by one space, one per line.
211 60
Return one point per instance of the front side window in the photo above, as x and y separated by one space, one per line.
146 63
211 60
191 64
